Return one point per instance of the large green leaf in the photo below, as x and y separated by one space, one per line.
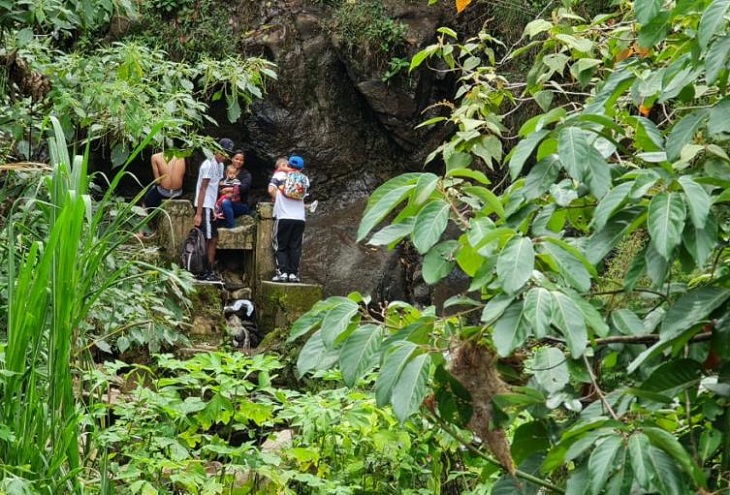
609 204
392 233
716 58
393 363
691 309
669 444
425 186
602 242
358 352
600 463
568 317
523 151
495 307
568 266
551 369
385 198
712 20
683 132
337 320
439 261
538 310
646 10
667 214
574 149
511 331
668 477
541 177
638 452
315 356
430 223
697 200
410 388
626 322
673 377
718 127
701 242
515 264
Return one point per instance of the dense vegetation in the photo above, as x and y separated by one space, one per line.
588 354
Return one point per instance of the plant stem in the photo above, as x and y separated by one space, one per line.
471 448
597 388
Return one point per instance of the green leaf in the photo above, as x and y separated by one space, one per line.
712 20
523 151
609 204
669 444
392 233
315 356
568 266
410 388
551 369
573 147
646 10
602 242
701 242
495 307
716 58
478 228
627 323
683 132
638 453
600 463
710 441
673 377
358 352
439 261
655 31
718 127
393 363
667 214
425 186
510 332
430 223
470 173
453 400
515 264
541 177
337 320
698 201
384 199
568 317
489 199
537 310
691 309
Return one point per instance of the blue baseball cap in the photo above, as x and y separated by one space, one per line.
296 161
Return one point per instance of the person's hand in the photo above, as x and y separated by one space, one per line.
198 220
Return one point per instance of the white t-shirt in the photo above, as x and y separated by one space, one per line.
286 208
210 169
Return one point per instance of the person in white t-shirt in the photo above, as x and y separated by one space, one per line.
289 221
206 195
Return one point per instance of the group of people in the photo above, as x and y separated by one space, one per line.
221 195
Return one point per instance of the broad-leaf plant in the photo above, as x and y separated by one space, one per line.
594 333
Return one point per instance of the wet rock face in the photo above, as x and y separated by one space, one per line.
354 130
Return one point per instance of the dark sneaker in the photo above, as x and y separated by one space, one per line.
293 279
210 278
280 277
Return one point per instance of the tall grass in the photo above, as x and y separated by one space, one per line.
53 282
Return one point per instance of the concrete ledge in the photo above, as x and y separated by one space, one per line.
239 237
279 305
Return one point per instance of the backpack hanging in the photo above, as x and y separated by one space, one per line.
296 185
194 256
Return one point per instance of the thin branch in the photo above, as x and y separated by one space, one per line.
632 339
597 388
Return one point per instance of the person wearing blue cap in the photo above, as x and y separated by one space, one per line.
287 188
206 195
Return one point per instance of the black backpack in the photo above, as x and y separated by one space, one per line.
194 256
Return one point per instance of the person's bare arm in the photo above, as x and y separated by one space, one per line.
273 191
201 200
156 165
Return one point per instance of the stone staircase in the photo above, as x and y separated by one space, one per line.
246 261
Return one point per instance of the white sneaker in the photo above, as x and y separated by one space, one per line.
312 206
293 279
280 277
